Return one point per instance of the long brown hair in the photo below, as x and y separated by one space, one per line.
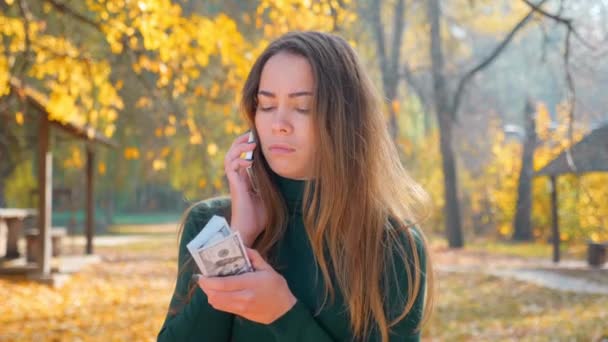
363 202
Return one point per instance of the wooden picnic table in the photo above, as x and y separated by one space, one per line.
13 218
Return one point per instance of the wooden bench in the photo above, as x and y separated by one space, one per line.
12 219
33 246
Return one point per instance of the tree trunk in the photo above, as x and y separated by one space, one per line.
5 171
2 198
445 119
521 223
389 59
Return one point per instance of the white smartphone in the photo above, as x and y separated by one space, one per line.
249 156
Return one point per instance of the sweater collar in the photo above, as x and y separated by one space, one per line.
292 191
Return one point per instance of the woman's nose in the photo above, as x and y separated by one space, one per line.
280 123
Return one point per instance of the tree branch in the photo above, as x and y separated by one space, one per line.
83 57
570 31
334 7
398 23
63 8
486 62
565 21
27 18
416 85
378 31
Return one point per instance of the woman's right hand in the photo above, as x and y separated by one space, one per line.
248 214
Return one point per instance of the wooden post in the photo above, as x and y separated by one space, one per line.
555 219
90 229
45 184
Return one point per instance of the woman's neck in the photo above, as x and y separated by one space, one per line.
292 191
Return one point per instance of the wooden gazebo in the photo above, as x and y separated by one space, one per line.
588 155
83 132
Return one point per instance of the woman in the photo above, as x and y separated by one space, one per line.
332 226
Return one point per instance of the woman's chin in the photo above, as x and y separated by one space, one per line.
286 171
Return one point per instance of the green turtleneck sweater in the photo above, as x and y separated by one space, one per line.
196 320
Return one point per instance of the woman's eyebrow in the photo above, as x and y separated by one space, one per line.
296 94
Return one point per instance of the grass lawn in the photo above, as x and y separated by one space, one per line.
541 250
125 297
476 307
62 218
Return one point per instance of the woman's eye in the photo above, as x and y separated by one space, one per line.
271 108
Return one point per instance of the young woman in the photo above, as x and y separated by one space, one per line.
333 225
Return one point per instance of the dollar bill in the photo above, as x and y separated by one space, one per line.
216 229
224 258
218 250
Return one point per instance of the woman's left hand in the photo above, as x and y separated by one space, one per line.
261 296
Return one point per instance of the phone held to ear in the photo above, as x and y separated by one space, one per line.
249 156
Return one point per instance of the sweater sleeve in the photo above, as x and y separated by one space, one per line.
299 325
195 320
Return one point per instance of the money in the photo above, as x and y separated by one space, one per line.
219 251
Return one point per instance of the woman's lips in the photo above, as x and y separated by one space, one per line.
281 149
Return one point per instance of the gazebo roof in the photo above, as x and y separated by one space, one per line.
588 155
40 101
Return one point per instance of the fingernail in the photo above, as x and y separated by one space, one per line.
196 277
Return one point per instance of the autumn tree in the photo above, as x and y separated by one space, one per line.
162 78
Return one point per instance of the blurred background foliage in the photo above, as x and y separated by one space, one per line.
162 78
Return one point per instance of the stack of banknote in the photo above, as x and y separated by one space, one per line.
218 250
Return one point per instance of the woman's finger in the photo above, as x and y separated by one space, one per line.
236 151
238 164
241 139
228 284
257 261
231 302
237 176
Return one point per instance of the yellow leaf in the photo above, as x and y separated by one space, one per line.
143 102
196 139
169 131
164 152
131 153
395 105
102 168
212 149
229 127
159 164
19 118
227 110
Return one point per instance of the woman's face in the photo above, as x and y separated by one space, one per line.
283 117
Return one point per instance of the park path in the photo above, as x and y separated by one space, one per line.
568 275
